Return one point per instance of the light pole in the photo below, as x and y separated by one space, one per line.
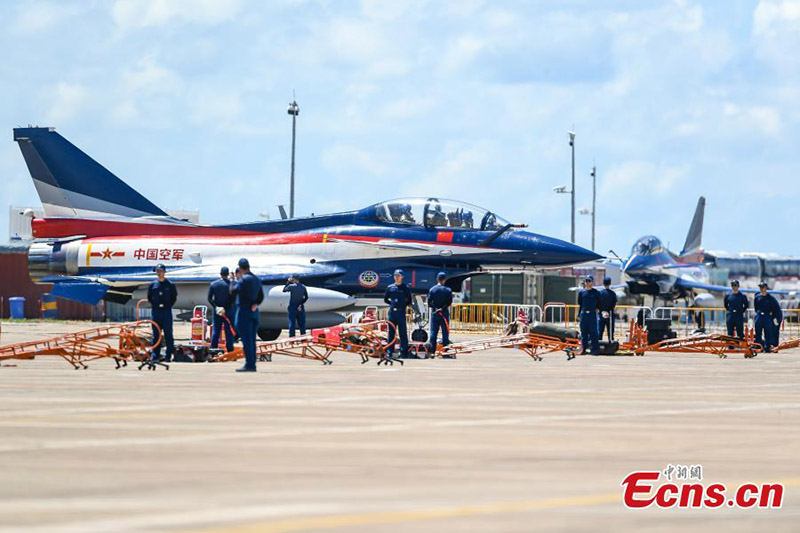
593 212
572 192
294 110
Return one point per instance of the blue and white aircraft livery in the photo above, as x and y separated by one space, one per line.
651 269
100 239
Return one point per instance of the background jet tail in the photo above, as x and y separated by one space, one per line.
72 184
692 246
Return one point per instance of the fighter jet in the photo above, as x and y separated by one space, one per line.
652 270
100 239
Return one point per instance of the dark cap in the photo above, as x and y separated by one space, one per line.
244 263
398 272
735 282
763 284
224 271
441 275
589 278
160 266
606 280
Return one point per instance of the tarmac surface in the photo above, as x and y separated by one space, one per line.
491 441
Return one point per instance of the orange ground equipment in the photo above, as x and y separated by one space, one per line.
533 344
366 340
131 341
716 344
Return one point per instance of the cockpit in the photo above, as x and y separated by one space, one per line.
433 212
647 245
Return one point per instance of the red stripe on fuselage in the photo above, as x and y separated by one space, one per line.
55 228
265 240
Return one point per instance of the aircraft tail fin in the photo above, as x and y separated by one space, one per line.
695 236
72 184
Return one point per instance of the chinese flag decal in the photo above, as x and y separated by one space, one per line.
444 236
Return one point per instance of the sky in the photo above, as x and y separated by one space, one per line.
186 101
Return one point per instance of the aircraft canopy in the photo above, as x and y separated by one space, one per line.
647 245
440 213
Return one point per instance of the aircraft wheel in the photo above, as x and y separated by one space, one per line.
419 335
266 334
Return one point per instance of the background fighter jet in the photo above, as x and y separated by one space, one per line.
652 270
100 239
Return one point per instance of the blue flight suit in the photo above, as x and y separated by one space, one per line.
606 304
440 298
162 296
767 312
298 295
588 300
249 292
219 295
399 298
736 306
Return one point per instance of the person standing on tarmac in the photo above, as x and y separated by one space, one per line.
440 298
298 296
398 296
219 297
588 299
736 305
249 294
606 305
768 317
162 295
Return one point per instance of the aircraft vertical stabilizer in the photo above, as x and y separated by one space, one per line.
72 184
695 236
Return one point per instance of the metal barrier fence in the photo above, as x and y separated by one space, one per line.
469 318
479 318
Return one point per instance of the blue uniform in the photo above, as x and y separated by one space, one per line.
249 292
606 304
298 295
588 301
768 311
736 307
399 298
440 298
162 296
219 295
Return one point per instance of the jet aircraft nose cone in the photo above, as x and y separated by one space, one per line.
555 252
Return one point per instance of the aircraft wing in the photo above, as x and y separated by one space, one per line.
688 284
119 286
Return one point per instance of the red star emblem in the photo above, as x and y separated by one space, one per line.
107 253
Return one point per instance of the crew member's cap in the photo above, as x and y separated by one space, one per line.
589 278
763 284
398 272
160 266
441 275
224 271
244 263
734 283
607 280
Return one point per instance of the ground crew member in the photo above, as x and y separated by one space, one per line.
162 294
249 294
440 298
768 317
237 275
221 301
588 300
607 304
736 306
398 296
298 296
